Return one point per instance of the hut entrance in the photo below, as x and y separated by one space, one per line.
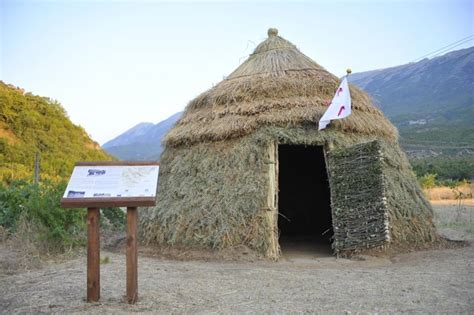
304 220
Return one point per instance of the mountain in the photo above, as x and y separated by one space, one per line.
31 124
129 136
431 102
142 142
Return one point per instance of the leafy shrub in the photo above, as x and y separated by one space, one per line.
428 181
38 205
112 218
33 212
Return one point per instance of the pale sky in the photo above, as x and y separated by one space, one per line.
114 64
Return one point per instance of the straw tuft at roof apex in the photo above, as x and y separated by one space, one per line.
272 31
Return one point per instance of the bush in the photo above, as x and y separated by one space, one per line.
37 206
112 218
32 212
428 181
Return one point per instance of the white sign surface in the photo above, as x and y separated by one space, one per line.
113 181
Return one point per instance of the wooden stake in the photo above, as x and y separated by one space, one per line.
37 167
132 267
93 255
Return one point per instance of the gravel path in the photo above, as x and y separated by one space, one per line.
435 281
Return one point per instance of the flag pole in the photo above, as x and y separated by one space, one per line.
340 106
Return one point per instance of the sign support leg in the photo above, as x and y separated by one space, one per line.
93 255
132 270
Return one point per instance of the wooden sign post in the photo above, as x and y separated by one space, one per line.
132 266
95 185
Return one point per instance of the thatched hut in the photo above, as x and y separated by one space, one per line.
246 165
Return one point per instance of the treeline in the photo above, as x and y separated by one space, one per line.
31 124
445 168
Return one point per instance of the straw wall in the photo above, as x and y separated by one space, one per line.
410 214
219 194
212 195
216 194
375 198
359 209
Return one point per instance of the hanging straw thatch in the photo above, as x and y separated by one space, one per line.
276 85
218 180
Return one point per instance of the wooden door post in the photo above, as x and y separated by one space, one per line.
93 255
132 266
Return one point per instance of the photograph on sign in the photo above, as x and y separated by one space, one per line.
112 181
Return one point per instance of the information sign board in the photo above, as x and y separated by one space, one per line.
120 183
95 185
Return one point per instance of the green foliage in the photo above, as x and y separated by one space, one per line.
428 181
104 260
113 217
31 124
451 138
454 168
55 228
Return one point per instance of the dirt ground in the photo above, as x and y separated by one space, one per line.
433 281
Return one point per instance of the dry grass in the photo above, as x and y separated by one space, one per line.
376 200
447 193
3 234
214 194
279 86
214 177
424 282
466 202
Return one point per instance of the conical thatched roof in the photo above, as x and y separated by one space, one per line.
276 85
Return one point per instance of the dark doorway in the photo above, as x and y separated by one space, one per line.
304 221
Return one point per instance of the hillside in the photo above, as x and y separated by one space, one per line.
431 102
142 142
31 124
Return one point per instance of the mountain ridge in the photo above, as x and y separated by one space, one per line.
437 81
141 142
430 101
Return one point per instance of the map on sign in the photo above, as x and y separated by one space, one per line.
113 181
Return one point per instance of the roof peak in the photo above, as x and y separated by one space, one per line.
272 31
275 56
274 41
277 85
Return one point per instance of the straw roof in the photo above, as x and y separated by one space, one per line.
277 85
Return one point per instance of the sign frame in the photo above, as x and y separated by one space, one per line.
93 206
99 202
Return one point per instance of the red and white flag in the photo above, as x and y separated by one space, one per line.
340 106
